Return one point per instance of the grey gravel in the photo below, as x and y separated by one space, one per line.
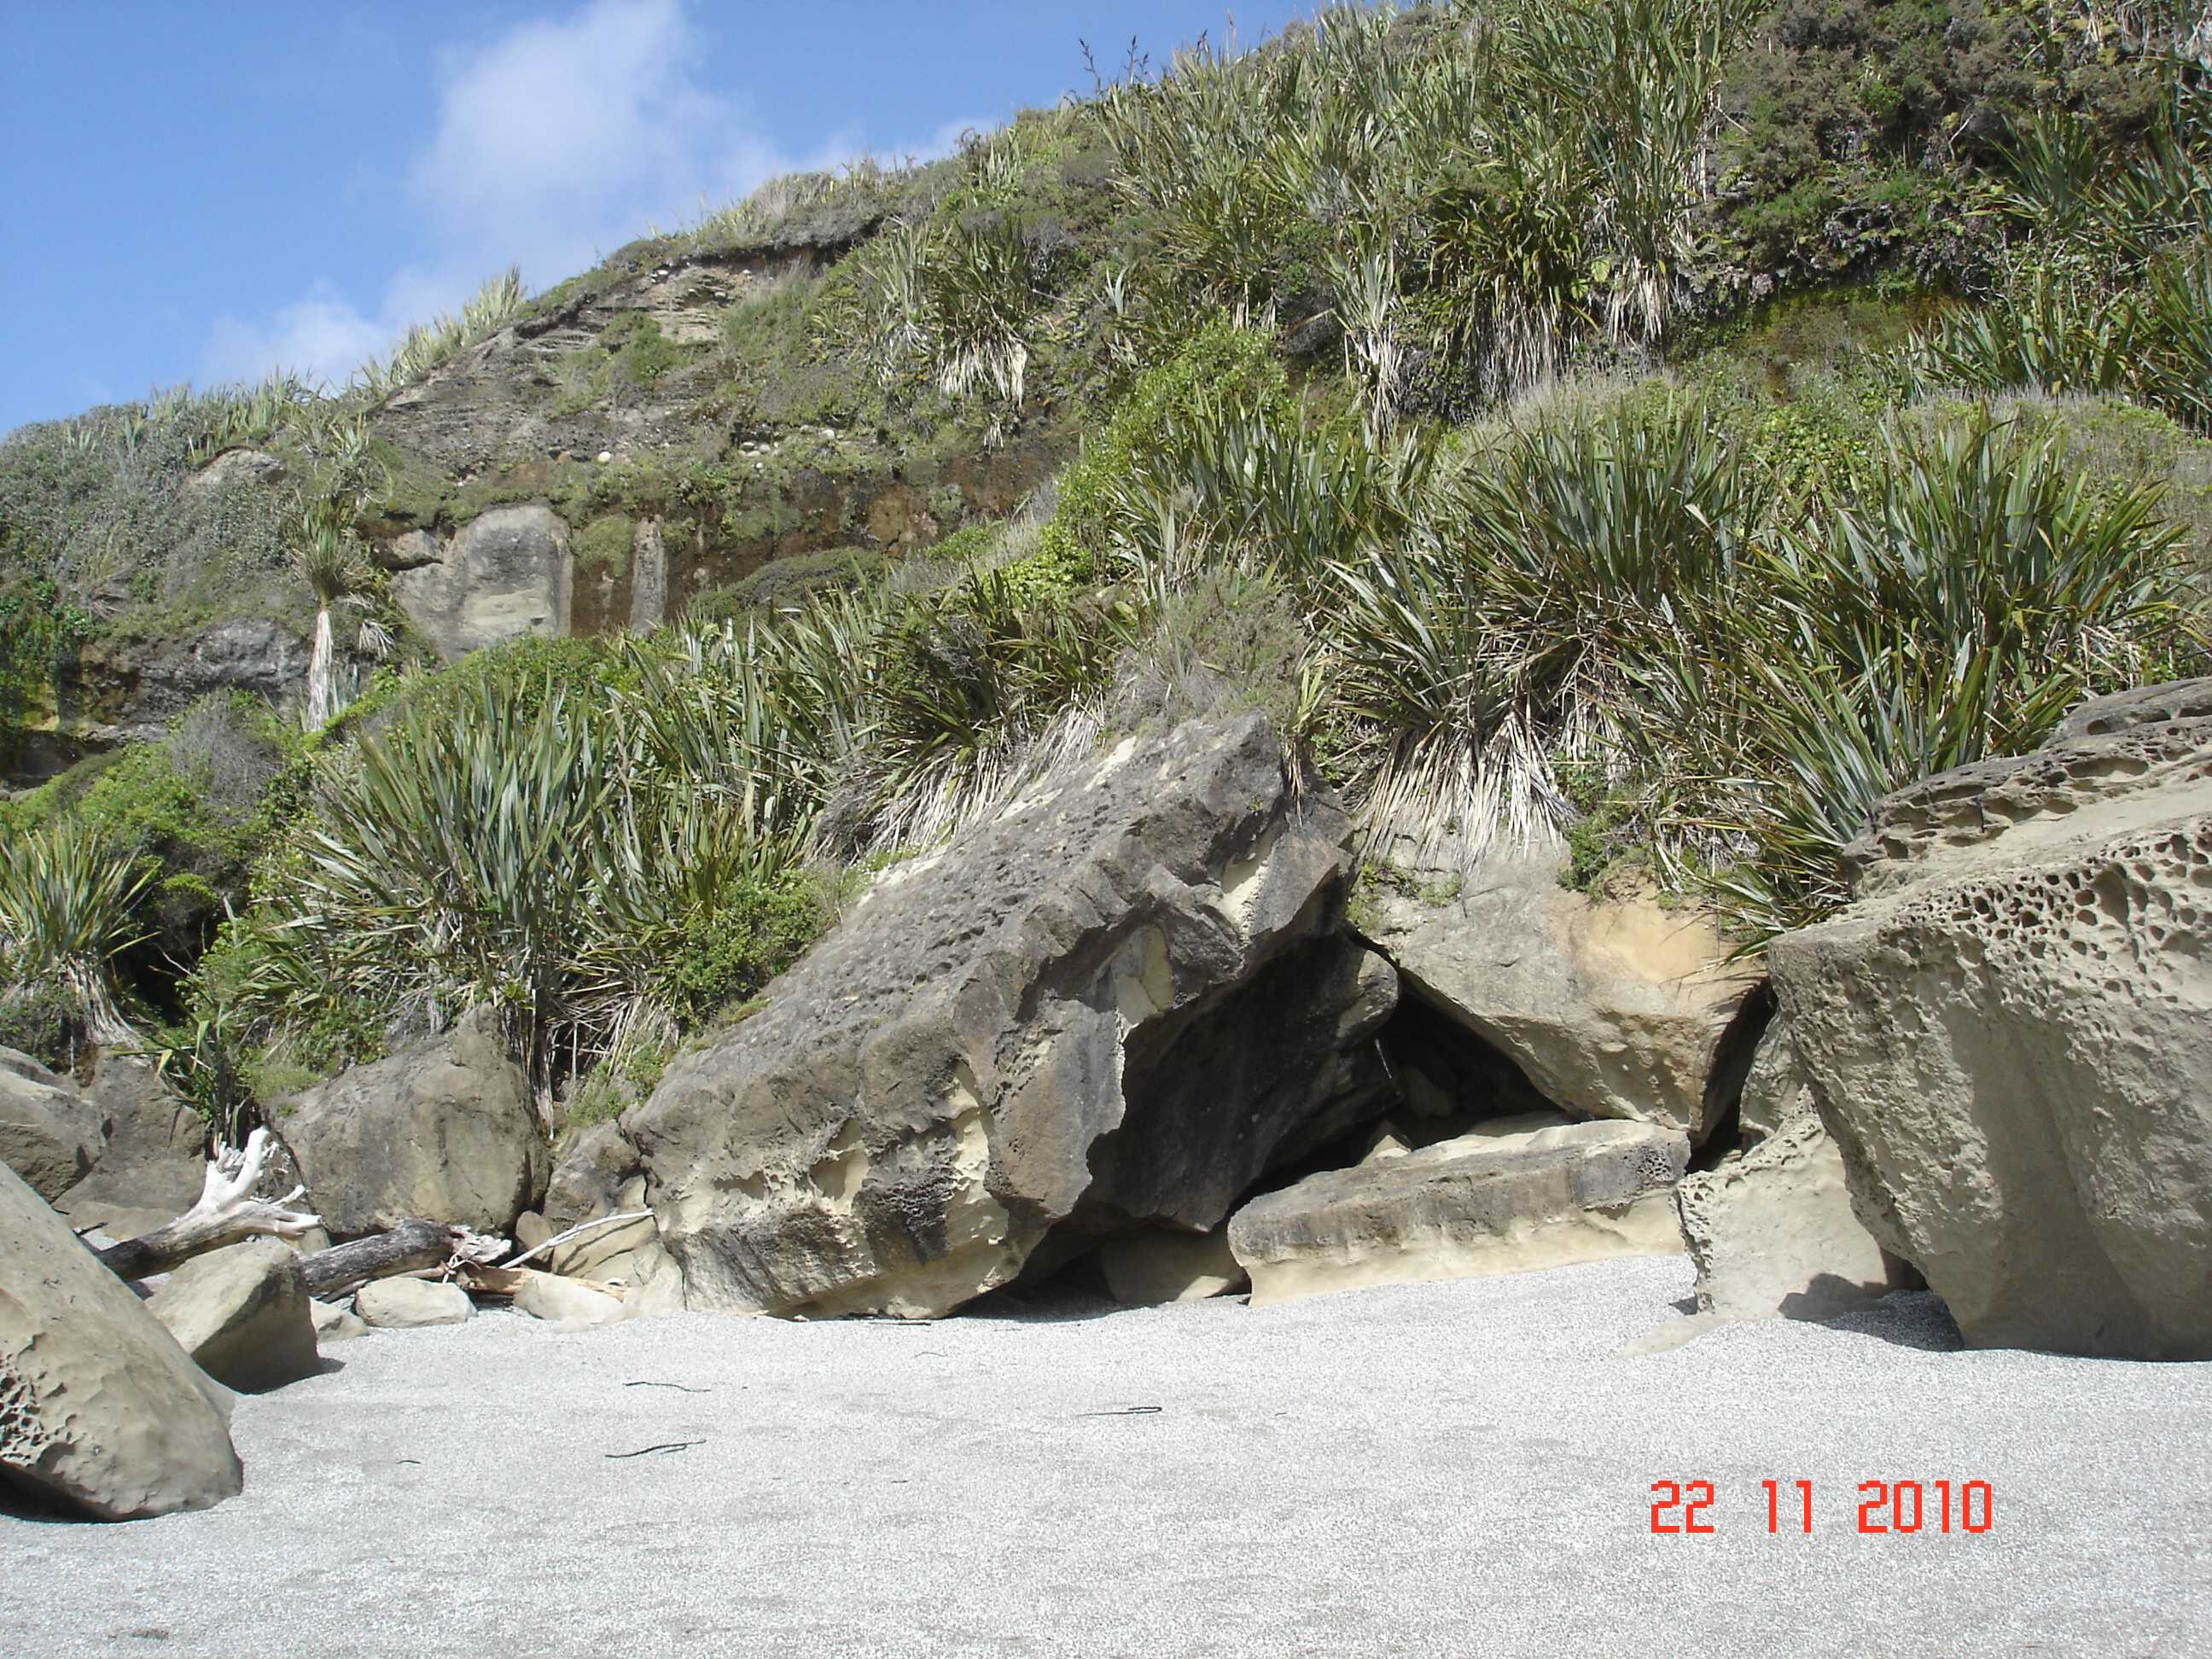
1447 1468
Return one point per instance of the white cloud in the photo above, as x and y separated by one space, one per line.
553 144
321 337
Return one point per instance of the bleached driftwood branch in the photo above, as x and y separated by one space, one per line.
559 1239
227 1213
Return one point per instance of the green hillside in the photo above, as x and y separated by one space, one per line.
1663 425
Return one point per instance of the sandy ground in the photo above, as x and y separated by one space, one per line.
1450 1468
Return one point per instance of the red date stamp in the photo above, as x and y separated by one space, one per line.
1884 1506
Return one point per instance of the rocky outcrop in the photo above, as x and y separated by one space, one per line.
1772 1231
398 1304
1611 1007
243 1315
49 1134
1520 1197
154 1160
101 1411
1000 1041
2006 1033
127 687
444 1131
503 574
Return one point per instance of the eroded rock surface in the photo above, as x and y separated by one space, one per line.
2006 1034
503 574
444 1130
1515 1199
1612 1007
1772 1231
939 1084
101 1411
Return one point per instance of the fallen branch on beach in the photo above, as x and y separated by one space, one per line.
227 1212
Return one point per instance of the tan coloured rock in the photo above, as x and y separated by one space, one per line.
562 1301
155 1157
1468 1207
101 1411
1155 1266
505 573
335 1324
1772 1231
243 1315
2007 1034
1612 1007
405 1304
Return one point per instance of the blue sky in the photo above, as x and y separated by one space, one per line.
200 192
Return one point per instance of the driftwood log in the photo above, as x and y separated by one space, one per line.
227 1213
411 1245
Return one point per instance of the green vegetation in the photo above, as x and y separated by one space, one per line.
1653 426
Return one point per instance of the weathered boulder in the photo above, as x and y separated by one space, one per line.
1514 1200
564 1302
1612 1007
1153 1265
99 1409
2005 1034
155 1161
504 574
444 1130
406 1304
1044 1018
1772 1231
334 1323
49 1134
242 1313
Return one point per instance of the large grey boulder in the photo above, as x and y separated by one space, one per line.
1517 1197
444 1130
101 1411
243 1315
2006 1033
504 574
155 1161
1039 1029
1611 1006
49 1134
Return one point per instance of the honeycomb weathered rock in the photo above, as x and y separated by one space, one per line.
2006 1035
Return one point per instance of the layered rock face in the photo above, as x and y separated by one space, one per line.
1513 1198
444 1131
2006 1034
49 1134
101 1411
1005 1040
1612 1008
